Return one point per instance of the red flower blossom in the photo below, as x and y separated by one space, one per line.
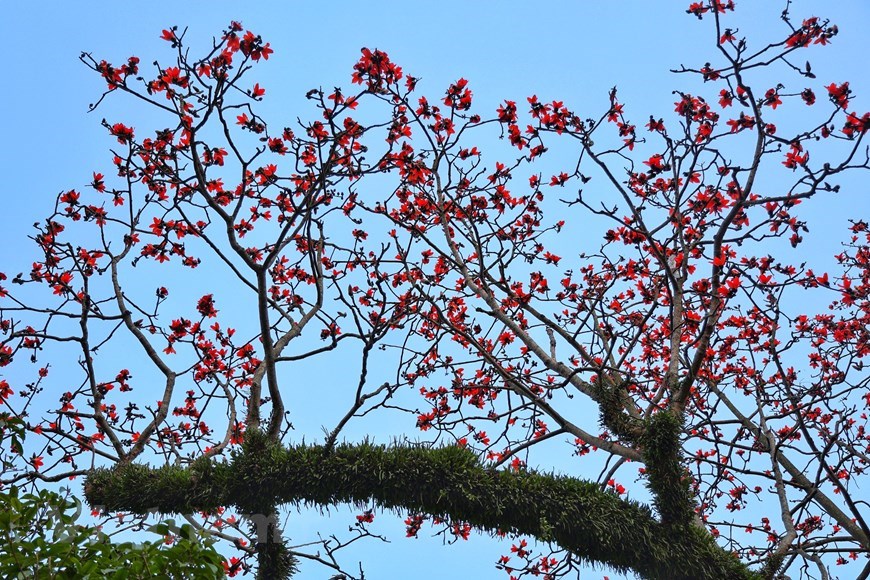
205 306
839 94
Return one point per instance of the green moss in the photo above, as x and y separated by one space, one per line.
595 525
666 477
609 394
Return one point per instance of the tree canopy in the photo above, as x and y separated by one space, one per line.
629 285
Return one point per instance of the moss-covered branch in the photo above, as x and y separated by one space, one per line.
667 479
595 525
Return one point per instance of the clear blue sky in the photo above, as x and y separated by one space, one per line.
567 50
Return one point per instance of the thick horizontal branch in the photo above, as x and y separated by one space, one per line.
577 515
